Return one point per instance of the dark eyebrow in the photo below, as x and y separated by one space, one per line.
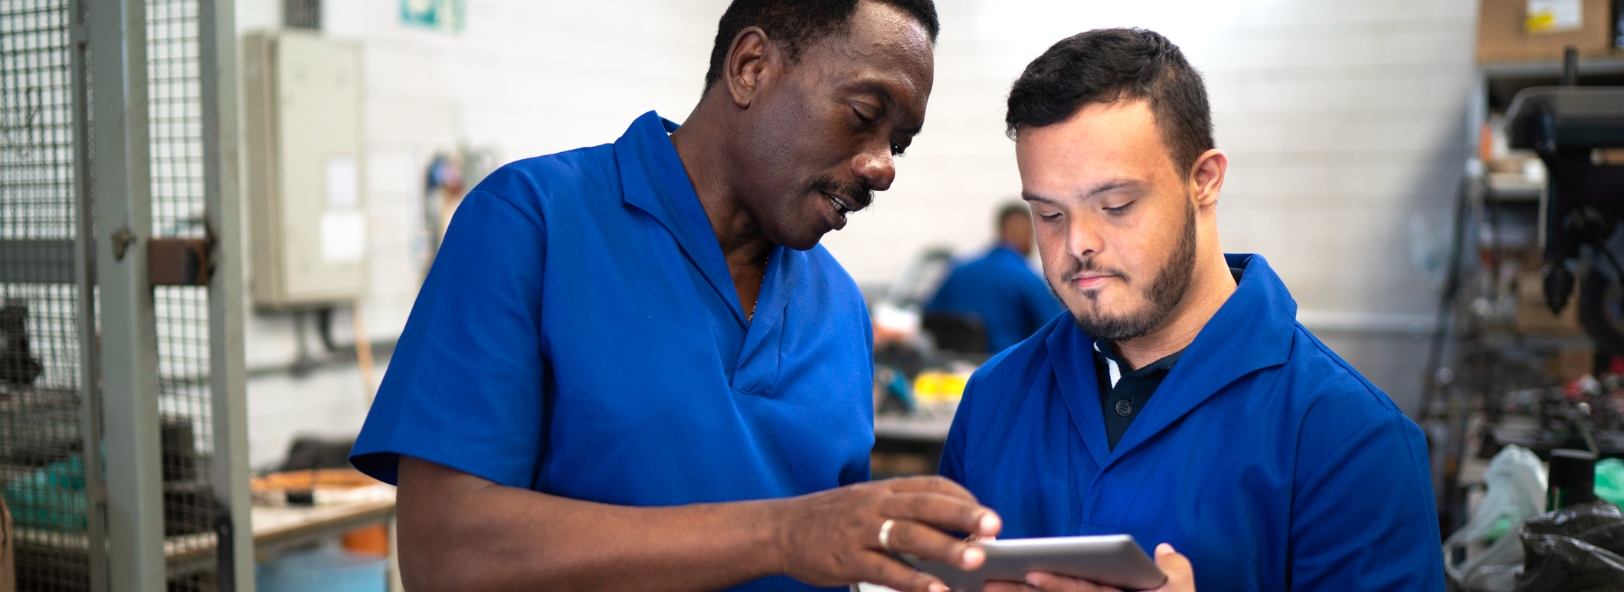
1037 198
1111 185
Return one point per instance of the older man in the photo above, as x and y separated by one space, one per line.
633 368
1180 401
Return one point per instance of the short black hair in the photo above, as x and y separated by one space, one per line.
1014 208
1104 65
793 24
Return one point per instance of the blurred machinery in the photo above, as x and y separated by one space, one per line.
1537 222
1578 132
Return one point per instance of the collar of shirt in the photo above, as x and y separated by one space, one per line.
1115 362
1254 329
656 182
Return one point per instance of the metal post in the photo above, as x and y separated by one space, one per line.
85 272
120 185
217 67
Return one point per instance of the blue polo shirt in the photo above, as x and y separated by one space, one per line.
579 335
1001 289
1263 457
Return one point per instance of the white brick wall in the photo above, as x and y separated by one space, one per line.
1344 122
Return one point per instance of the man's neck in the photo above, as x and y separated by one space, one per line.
703 146
1210 287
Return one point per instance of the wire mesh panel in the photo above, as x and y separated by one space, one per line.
177 167
41 387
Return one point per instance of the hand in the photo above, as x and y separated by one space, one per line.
1180 578
832 538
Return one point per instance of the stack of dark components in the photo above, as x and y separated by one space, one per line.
1587 414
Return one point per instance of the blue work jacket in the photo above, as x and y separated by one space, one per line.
579 335
1001 289
1263 457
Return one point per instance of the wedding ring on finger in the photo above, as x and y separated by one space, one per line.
885 534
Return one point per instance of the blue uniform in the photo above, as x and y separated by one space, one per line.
1003 291
579 335
1263 457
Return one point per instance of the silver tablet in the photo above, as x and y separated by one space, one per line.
1113 560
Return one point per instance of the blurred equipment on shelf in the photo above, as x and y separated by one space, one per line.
956 332
1586 414
1538 209
1568 126
920 369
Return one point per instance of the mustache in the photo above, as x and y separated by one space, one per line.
856 192
1081 266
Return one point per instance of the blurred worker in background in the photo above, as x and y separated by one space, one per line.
632 367
1179 401
999 288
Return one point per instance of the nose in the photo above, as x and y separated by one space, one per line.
876 168
1082 240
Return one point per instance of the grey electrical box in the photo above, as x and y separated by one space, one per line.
305 169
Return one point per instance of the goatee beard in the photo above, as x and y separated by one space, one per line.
1164 293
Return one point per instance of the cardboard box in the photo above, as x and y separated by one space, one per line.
1501 36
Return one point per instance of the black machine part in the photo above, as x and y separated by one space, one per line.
1584 202
1572 479
1566 117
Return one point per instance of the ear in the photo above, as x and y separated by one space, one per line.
747 63
1207 177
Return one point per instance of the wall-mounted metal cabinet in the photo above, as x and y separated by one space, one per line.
305 165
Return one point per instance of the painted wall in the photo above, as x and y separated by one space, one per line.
1343 120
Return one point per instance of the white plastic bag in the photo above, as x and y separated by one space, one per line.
1516 491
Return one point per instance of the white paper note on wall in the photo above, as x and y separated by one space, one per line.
343 236
1550 16
343 183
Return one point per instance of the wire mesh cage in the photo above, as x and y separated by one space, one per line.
42 386
178 201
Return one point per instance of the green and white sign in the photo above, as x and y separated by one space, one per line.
440 15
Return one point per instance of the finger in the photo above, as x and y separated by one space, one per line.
929 484
941 511
1048 582
1180 575
879 569
926 542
